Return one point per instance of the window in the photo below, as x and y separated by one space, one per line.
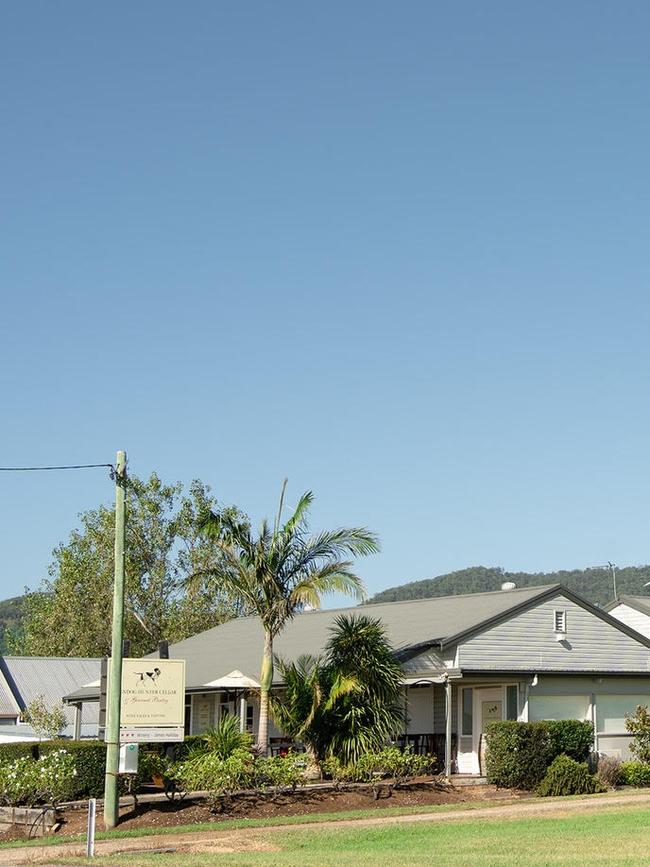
249 718
611 710
559 707
467 724
512 710
559 621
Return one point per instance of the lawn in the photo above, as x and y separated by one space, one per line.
613 836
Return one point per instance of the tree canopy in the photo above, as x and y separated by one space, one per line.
595 584
169 593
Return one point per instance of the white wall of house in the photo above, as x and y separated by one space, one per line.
632 618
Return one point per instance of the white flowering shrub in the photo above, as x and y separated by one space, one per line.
48 780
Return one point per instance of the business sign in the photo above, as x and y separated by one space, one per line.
152 734
153 692
153 699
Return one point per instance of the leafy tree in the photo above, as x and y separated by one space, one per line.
347 703
70 614
279 571
45 721
638 725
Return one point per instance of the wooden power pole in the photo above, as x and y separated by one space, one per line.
113 702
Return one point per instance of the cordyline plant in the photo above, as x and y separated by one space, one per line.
282 570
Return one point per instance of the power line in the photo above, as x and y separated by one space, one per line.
66 467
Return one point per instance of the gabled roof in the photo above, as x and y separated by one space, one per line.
238 644
639 603
411 626
51 677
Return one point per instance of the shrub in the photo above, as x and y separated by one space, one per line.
280 772
572 737
46 721
565 776
638 725
207 772
225 738
635 773
518 754
390 762
90 763
48 780
608 771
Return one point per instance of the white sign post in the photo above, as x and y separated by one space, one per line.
90 839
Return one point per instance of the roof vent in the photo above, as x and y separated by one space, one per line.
508 585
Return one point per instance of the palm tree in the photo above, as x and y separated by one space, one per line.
279 572
347 702
365 704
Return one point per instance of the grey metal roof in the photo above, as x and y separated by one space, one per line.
9 707
639 603
239 643
51 677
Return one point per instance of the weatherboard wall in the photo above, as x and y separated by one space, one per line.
528 641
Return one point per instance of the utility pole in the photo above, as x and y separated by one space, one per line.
613 568
111 796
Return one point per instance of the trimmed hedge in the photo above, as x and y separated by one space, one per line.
565 776
18 750
519 754
572 737
90 763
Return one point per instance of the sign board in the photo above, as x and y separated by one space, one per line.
153 699
160 734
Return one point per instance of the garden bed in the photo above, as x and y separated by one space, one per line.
301 803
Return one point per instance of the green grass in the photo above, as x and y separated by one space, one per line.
611 836
240 824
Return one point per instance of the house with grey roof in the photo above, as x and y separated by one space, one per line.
25 678
523 654
633 611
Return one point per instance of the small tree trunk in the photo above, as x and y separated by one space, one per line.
265 686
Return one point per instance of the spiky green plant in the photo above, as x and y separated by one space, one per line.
224 738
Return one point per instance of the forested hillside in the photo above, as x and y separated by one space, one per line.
10 620
594 584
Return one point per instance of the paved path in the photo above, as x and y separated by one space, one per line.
261 839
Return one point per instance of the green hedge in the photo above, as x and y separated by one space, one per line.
572 738
519 754
18 750
90 763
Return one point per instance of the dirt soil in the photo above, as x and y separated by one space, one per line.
301 803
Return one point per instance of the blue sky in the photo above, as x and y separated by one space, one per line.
395 252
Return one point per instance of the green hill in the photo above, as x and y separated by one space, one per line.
10 619
594 584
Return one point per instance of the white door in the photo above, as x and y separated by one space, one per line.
488 707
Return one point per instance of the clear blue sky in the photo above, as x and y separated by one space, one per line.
396 252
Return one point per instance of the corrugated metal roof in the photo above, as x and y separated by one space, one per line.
51 677
639 603
239 643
